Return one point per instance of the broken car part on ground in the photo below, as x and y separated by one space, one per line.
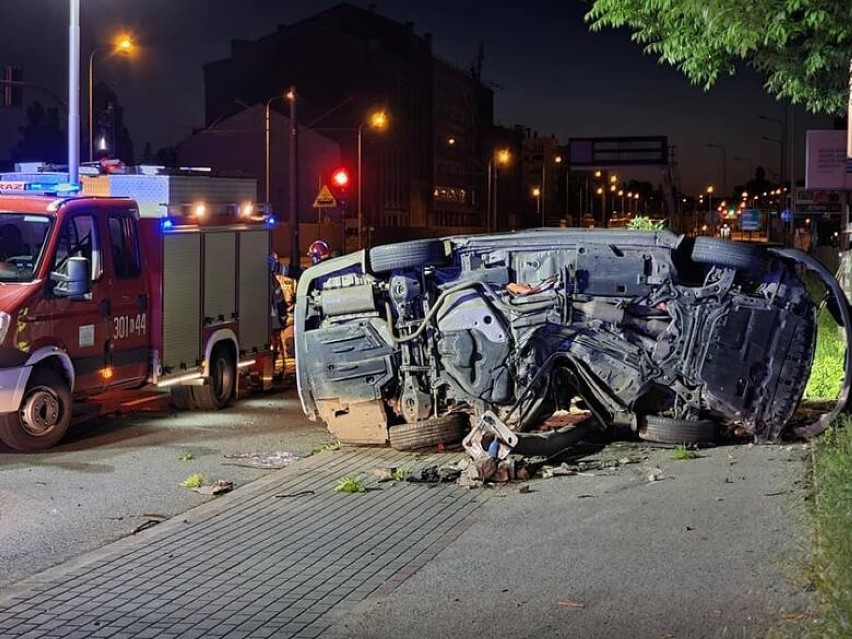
669 335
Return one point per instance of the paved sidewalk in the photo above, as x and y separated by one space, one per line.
284 556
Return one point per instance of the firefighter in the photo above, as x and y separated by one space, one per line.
318 251
277 310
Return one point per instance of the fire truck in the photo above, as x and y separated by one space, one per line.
143 278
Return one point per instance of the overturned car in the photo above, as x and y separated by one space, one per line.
669 335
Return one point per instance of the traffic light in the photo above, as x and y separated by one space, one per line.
340 179
339 185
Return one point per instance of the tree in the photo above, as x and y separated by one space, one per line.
802 48
42 137
108 116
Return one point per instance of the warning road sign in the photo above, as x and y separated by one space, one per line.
325 200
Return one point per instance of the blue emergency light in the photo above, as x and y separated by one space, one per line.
24 187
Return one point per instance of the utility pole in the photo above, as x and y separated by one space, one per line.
74 92
295 253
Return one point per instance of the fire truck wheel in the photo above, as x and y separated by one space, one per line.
219 389
44 416
182 397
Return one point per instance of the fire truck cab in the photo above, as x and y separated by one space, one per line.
137 279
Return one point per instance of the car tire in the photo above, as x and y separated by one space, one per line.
448 429
218 392
667 430
182 397
44 415
417 253
708 250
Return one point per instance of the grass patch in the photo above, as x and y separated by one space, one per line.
335 445
186 457
350 485
831 569
682 452
399 474
827 370
193 481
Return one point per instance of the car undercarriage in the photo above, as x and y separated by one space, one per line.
671 336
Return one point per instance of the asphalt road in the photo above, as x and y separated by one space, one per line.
110 473
710 548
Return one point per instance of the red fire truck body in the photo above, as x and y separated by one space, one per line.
101 292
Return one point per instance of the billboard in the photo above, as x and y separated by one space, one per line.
825 161
626 151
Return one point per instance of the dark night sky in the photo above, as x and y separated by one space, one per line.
551 73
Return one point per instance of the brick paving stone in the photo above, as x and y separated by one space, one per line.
232 565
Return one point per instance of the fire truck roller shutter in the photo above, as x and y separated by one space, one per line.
220 282
253 305
181 301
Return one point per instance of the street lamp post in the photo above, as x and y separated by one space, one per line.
124 44
267 130
749 163
781 163
539 209
295 253
724 165
498 157
782 142
378 120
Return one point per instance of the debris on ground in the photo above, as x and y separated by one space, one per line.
437 474
264 461
150 520
217 488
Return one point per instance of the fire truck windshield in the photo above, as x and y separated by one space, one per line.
22 244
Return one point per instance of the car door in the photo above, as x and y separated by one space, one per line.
76 325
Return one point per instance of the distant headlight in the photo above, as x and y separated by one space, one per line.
5 320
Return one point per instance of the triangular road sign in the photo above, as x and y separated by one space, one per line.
325 200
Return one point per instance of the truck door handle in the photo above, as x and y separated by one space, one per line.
142 303
105 307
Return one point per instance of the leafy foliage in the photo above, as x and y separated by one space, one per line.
641 223
193 481
350 485
802 48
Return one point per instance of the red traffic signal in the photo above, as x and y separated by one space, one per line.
340 178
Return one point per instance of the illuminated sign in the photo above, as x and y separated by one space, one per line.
599 152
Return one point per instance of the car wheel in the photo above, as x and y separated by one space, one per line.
44 415
219 389
708 250
666 430
182 397
390 257
431 432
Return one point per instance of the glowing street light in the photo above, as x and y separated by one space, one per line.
123 45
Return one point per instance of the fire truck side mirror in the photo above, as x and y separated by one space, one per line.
75 284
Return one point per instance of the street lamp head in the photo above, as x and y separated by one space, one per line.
536 191
710 189
290 95
503 156
124 43
379 120
558 159
613 179
597 174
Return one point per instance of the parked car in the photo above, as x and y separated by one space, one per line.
673 336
